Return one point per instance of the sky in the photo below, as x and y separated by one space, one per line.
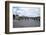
26 11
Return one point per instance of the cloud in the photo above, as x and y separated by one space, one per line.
30 12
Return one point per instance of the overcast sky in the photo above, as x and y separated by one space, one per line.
26 11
